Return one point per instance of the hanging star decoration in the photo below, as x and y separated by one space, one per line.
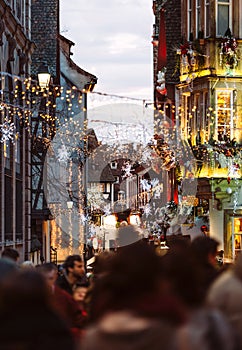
62 154
147 210
127 169
229 55
146 185
161 82
107 210
8 132
84 218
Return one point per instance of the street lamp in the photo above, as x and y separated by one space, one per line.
44 76
69 204
105 195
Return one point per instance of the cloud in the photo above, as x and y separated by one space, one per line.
114 39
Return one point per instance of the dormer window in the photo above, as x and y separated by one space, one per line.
114 165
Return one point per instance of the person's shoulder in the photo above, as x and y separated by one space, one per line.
61 278
63 294
64 284
64 297
204 322
62 281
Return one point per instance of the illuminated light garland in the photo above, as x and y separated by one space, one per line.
31 96
116 147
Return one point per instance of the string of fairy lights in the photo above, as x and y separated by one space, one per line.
25 100
25 103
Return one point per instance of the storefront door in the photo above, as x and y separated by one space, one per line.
236 236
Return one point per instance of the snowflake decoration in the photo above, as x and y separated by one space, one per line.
147 210
145 156
155 182
234 170
146 185
84 218
126 168
107 210
8 132
62 154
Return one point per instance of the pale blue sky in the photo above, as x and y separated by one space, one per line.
113 41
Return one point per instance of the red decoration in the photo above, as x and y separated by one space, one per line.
162 42
161 90
184 49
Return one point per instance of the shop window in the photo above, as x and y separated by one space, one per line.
188 116
205 119
197 118
224 115
6 152
223 16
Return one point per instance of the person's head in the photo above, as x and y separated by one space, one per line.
10 253
133 274
26 306
127 235
102 262
80 292
24 290
123 223
205 249
50 273
74 266
27 264
204 229
180 271
7 267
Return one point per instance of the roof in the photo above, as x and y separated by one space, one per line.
100 175
65 46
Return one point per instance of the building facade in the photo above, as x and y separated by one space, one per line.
67 159
15 65
44 33
207 99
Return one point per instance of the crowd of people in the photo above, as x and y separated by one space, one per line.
135 298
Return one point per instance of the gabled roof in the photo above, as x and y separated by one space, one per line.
70 69
100 175
92 140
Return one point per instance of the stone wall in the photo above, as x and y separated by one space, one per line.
173 37
45 30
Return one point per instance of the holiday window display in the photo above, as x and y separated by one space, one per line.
229 53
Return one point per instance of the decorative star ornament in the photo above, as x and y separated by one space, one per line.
8 132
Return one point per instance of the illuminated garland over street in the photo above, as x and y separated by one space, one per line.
24 105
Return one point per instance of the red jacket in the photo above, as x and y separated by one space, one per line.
69 310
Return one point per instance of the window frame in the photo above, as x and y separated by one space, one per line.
229 109
198 17
189 18
206 18
114 165
227 3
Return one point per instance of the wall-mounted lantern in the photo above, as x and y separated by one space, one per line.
44 76
106 195
69 204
